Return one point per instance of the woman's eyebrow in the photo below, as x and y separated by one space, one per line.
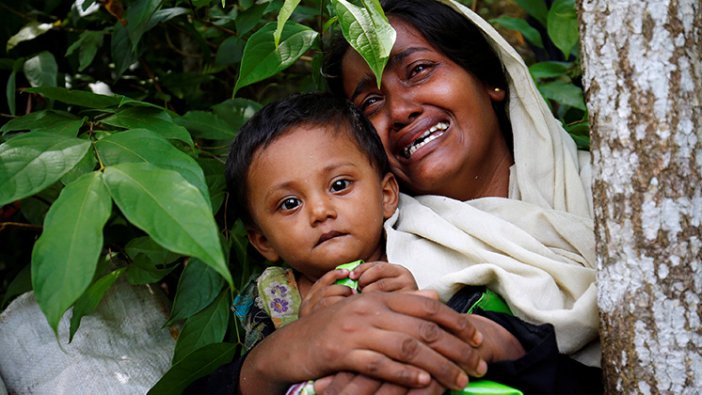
366 81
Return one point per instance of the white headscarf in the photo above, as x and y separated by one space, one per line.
536 248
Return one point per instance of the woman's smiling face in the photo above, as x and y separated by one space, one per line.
434 118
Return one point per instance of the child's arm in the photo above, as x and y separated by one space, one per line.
324 292
383 276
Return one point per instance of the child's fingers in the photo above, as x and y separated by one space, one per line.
331 276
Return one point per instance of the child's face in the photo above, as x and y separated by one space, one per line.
317 202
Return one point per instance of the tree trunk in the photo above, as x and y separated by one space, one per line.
643 83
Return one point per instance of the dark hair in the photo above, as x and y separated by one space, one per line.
450 33
278 118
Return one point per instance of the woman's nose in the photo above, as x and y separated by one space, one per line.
321 208
403 109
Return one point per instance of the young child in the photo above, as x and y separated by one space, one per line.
311 182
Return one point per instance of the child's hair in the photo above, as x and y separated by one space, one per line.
278 118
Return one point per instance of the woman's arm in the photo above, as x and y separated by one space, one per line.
396 337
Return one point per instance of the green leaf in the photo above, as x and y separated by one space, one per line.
214 177
33 161
138 17
84 166
236 111
230 51
10 92
169 209
535 8
41 70
564 93
543 70
262 59
522 26
88 302
29 32
88 43
77 98
249 18
198 364
19 285
562 26
158 121
121 50
368 31
65 256
206 125
150 261
165 15
142 145
198 286
49 121
283 16
206 327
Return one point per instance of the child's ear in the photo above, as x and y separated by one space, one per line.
391 195
260 242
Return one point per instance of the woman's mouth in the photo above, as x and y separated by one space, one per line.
425 138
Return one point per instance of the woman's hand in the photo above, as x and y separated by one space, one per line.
383 276
402 338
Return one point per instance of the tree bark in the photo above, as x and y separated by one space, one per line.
642 63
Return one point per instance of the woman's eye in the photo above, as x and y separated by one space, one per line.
289 204
340 185
368 102
419 68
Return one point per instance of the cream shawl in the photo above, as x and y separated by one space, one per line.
536 248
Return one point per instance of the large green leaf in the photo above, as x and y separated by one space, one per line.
78 98
65 256
549 69
122 53
562 26
230 51
205 327
262 59
150 261
142 145
169 209
88 302
564 93
33 161
368 31
535 8
236 111
29 32
138 19
198 364
214 177
51 121
41 70
206 125
158 121
88 43
283 16
522 26
198 286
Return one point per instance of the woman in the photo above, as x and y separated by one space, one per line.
445 127
465 121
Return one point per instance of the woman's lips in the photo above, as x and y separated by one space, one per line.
425 138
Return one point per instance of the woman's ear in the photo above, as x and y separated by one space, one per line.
260 242
496 94
391 195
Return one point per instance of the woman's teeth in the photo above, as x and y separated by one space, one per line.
424 139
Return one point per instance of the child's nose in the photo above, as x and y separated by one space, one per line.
322 209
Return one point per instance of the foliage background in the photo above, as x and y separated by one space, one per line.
116 120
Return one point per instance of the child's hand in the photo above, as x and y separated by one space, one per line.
383 276
324 292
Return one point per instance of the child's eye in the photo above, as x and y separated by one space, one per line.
289 203
340 185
